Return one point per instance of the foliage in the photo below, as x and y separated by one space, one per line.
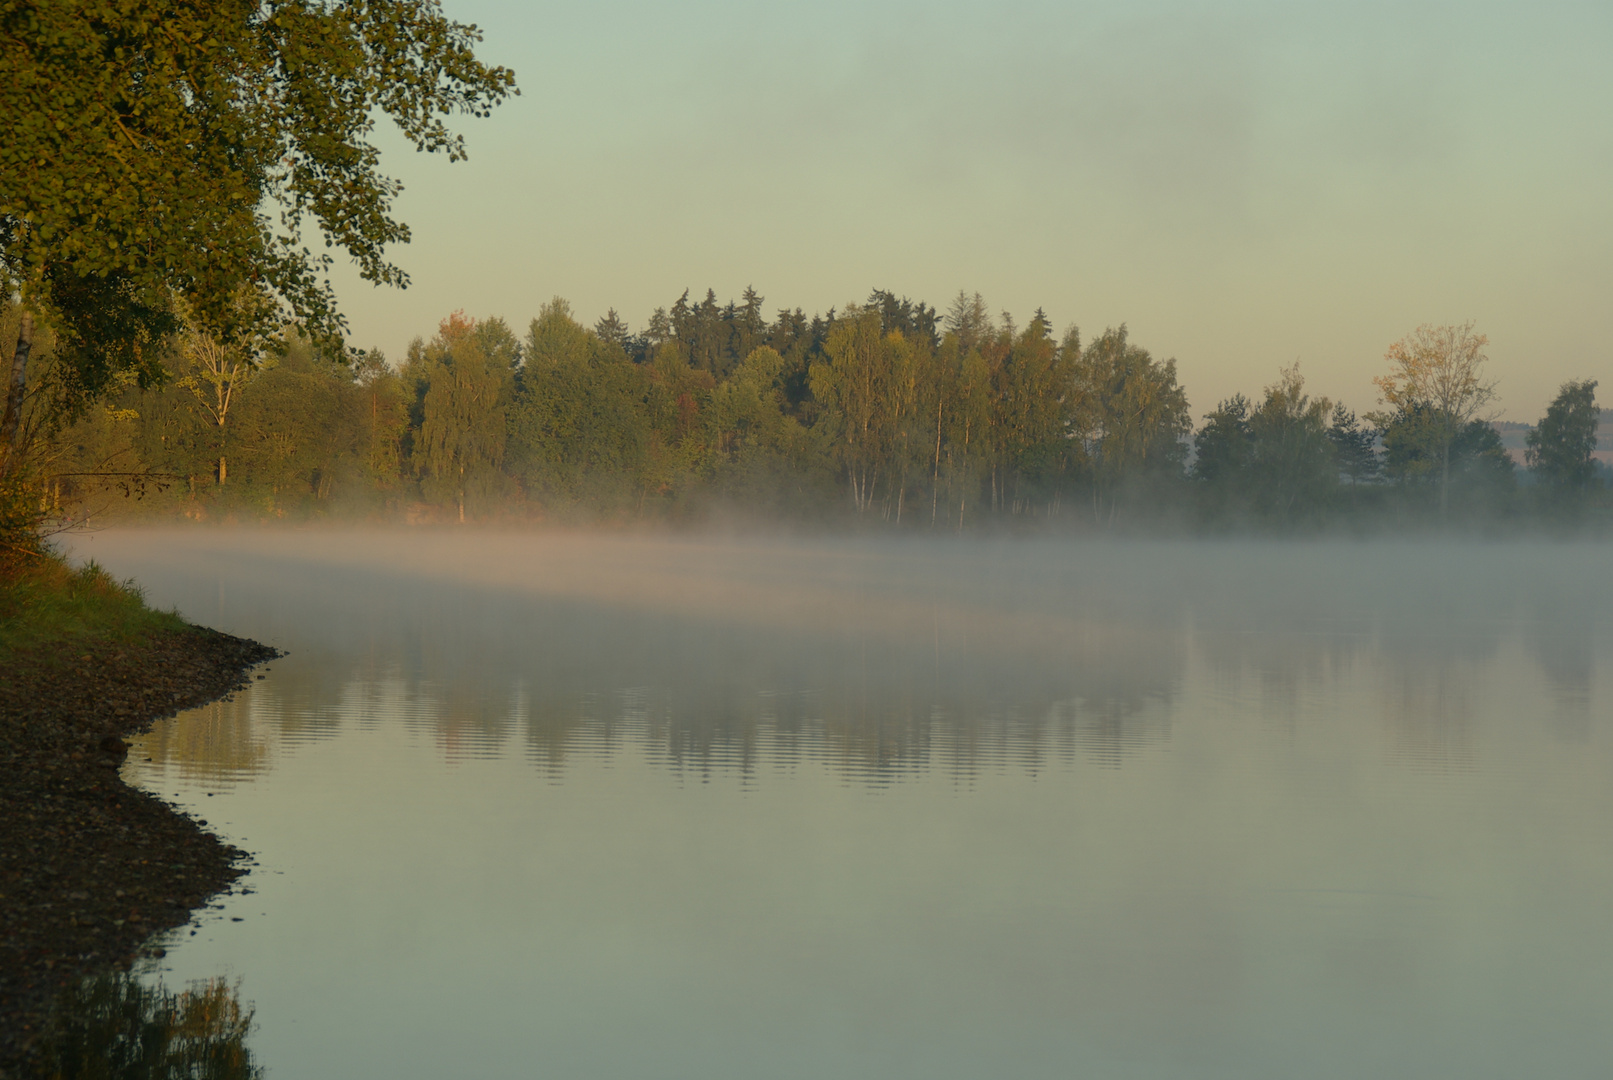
1354 447
469 378
1436 375
1224 446
866 386
162 164
879 412
1293 466
1282 461
170 149
1559 449
1130 417
1471 470
579 429
763 458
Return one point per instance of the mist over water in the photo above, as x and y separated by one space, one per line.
604 805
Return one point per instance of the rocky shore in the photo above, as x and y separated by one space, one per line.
90 868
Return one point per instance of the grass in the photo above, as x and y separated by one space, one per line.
47 605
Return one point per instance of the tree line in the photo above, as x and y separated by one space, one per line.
888 411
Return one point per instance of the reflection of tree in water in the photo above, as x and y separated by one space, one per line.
870 709
113 1027
470 722
1111 729
1429 714
215 742
236 737
956 687
1429 673
1284 657
1564 637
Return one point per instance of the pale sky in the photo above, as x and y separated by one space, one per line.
1243 183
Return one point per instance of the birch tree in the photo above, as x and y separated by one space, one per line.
163 148
461 444
216 372
1129 414
1438 369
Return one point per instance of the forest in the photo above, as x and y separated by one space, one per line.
889 412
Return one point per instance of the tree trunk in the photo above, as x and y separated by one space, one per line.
223 470
963 489
1445 482
11 427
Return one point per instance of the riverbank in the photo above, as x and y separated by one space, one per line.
91 868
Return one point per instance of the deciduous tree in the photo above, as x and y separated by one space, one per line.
163 148
1130 415
1292 462
461 442
1438 372
1559 448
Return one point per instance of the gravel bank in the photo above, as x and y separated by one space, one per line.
90 868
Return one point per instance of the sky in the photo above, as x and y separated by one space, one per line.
1244 184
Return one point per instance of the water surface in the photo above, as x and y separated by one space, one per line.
583 806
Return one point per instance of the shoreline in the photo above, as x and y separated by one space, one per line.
90 867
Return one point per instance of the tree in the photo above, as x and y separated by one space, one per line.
970 318
1474 463
1222 450
1034 420
298 434
461 442
178 148
1292 462
760 454
1129 415
676 398
1438 372
1559 448
216 370
867 385
383 412
1223 446
613 330
579 427
1355 447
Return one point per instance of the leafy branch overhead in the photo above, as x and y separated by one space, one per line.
157 149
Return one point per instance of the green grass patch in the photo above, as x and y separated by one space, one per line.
45 604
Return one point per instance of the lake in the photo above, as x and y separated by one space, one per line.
619 806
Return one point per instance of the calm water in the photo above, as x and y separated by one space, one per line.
607 807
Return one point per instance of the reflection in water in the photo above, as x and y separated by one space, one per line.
868 709
1427 703
217 742
881 667
114 1027
1565 648
1240 811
